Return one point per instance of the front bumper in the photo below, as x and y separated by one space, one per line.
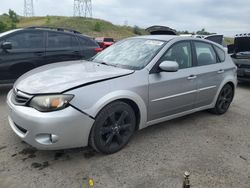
63 129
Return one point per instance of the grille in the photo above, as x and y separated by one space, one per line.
24 131
20 98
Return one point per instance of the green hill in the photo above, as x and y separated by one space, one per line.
88 26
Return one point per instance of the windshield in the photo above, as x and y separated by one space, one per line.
132 54
108 40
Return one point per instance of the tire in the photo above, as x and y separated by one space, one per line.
113 128
224 100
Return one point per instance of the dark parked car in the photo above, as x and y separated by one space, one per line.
24 49
241 56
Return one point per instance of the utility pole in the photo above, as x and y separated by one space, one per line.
83 8
28 8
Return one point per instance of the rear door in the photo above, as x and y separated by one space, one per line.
209 71
61 47
28 52
88 47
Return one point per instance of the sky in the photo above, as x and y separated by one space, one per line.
219 16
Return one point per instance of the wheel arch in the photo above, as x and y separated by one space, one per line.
231 81
129 97
232 85
135 109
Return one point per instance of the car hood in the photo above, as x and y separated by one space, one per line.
60 77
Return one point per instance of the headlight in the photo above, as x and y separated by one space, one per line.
50 102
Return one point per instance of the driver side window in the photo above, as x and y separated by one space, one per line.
181 53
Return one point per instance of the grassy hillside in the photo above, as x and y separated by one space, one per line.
229 40
87 26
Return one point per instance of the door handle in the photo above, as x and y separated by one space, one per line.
76 52
39 53
191 77
220 71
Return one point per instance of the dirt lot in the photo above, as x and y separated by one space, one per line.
215 149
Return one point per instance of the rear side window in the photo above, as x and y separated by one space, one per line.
221 53
61 41
86 42
27 40
205 54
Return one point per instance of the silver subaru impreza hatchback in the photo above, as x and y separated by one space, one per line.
133 84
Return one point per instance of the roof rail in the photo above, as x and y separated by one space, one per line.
53 28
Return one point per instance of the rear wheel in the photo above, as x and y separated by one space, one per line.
113 128
224 100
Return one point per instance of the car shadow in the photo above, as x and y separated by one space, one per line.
244 85
4 89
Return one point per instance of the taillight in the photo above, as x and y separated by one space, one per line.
97 50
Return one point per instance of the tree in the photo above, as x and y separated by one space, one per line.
3 27
203 32
137 30
14 18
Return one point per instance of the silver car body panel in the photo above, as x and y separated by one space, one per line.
158 96
69 125
58 77
134 87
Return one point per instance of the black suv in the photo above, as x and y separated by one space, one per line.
24 49
241 56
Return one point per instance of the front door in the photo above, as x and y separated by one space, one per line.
28 52
173 92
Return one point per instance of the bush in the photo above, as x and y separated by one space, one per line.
48 20
97 27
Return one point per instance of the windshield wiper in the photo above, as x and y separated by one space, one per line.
108 64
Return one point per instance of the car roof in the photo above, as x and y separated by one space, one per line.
9 32
167 38
159 37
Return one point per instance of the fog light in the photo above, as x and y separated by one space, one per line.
47 139
53 138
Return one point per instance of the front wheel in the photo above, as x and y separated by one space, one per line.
113 128
224 100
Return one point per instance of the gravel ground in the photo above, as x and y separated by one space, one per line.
215 149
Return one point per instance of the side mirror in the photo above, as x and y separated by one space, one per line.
6 46
169 66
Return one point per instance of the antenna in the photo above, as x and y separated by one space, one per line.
83 8
28 8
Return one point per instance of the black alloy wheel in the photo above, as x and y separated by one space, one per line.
113 128
224 100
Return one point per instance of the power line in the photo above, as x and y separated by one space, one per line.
83 8
28 8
